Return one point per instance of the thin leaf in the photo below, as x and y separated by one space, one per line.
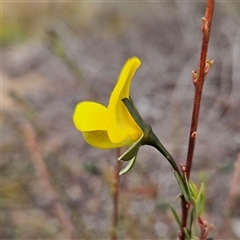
192 199
182 187
179 196
174 212
128 167
193 189
201 199
187 234
195 211
186 181
192 218
198 198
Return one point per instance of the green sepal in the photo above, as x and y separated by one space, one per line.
182 186
174 212
149 137
131 152
128 167
133 111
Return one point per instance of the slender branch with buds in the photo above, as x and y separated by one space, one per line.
198 81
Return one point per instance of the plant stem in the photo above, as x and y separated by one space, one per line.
116 180
157 144
198 81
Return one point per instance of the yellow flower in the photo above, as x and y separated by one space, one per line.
119 124
112 126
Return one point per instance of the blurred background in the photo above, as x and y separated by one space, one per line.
56 54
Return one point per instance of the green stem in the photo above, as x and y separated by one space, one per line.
158 145
149 137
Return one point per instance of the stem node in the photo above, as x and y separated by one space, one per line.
194 134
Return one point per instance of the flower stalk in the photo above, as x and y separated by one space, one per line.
148 138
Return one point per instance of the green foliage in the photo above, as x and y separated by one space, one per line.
174 212
182 187
194 197
197 198
187 234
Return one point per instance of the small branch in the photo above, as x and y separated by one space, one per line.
116 180
43 174
205 228
198 81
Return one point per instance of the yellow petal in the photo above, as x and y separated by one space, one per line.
123 126
122 87
121 123
90 116
100 139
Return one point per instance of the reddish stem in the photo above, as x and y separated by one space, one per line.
116 180
198 81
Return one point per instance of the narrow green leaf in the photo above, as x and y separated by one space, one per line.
192 199
179 196
186 181
192 218
128 167
187 234
174 212
193 189
199 201
198 194
195 211
182 187
202 199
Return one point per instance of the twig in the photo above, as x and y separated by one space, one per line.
43 174
115 193
205 228
116 196
198 81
